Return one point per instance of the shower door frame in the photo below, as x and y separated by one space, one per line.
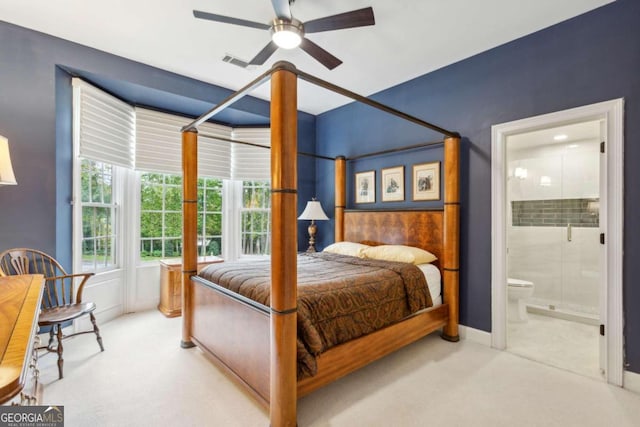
611 222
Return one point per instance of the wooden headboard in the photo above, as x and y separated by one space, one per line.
419 228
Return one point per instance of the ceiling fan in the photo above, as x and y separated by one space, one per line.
288 33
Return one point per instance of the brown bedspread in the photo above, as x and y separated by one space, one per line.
339 297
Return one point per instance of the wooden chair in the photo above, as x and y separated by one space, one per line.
60 304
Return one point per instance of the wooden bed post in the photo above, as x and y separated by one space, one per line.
284 247
451 259
189 228
340 196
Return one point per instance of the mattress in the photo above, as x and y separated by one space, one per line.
434 282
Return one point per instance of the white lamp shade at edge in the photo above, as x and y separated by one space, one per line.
7 176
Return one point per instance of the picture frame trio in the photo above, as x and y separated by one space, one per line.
425 184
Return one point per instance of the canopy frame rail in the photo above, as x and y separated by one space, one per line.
375 104
283 65
253 144
318 156
230 100
395 150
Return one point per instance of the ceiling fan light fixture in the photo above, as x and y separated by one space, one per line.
287 34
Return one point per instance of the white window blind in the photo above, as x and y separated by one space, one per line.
214 156
104 125
251 163
159 145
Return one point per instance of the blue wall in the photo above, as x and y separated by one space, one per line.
35 115
591 58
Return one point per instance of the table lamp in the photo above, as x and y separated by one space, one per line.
313 211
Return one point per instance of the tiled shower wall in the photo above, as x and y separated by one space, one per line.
556 213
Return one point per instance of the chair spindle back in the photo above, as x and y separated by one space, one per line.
58 290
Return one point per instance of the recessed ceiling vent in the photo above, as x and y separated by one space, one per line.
235 61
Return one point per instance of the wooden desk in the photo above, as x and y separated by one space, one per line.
171 283
20 298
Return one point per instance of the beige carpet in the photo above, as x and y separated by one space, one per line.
144 378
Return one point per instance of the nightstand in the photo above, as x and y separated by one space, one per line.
171 283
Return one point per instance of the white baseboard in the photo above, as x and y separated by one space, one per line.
102 316
144 305
474 335
632 381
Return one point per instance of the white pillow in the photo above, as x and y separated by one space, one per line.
399 253
346 248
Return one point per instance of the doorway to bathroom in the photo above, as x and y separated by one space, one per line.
553 247
557 239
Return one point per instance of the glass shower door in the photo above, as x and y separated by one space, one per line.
581 246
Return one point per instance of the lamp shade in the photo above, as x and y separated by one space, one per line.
6 170
313 211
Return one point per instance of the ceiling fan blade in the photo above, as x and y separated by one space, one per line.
282 8
229 20
321 55
355 18
264 54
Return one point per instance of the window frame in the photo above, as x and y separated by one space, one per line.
202 215
163 211
116 236
266 187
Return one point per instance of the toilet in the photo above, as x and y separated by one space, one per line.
518 292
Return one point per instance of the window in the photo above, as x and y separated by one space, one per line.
209 216
103 142
233 178
99 212
161 216
256 218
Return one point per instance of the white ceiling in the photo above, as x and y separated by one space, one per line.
410 38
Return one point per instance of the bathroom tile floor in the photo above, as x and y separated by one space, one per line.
556 342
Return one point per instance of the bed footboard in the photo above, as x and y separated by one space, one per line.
234 334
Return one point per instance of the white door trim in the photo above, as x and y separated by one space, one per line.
611 221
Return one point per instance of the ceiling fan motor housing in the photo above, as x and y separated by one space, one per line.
287 34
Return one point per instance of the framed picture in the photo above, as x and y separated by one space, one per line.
426 181
393 184
366 187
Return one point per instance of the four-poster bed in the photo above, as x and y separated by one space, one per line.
255 343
